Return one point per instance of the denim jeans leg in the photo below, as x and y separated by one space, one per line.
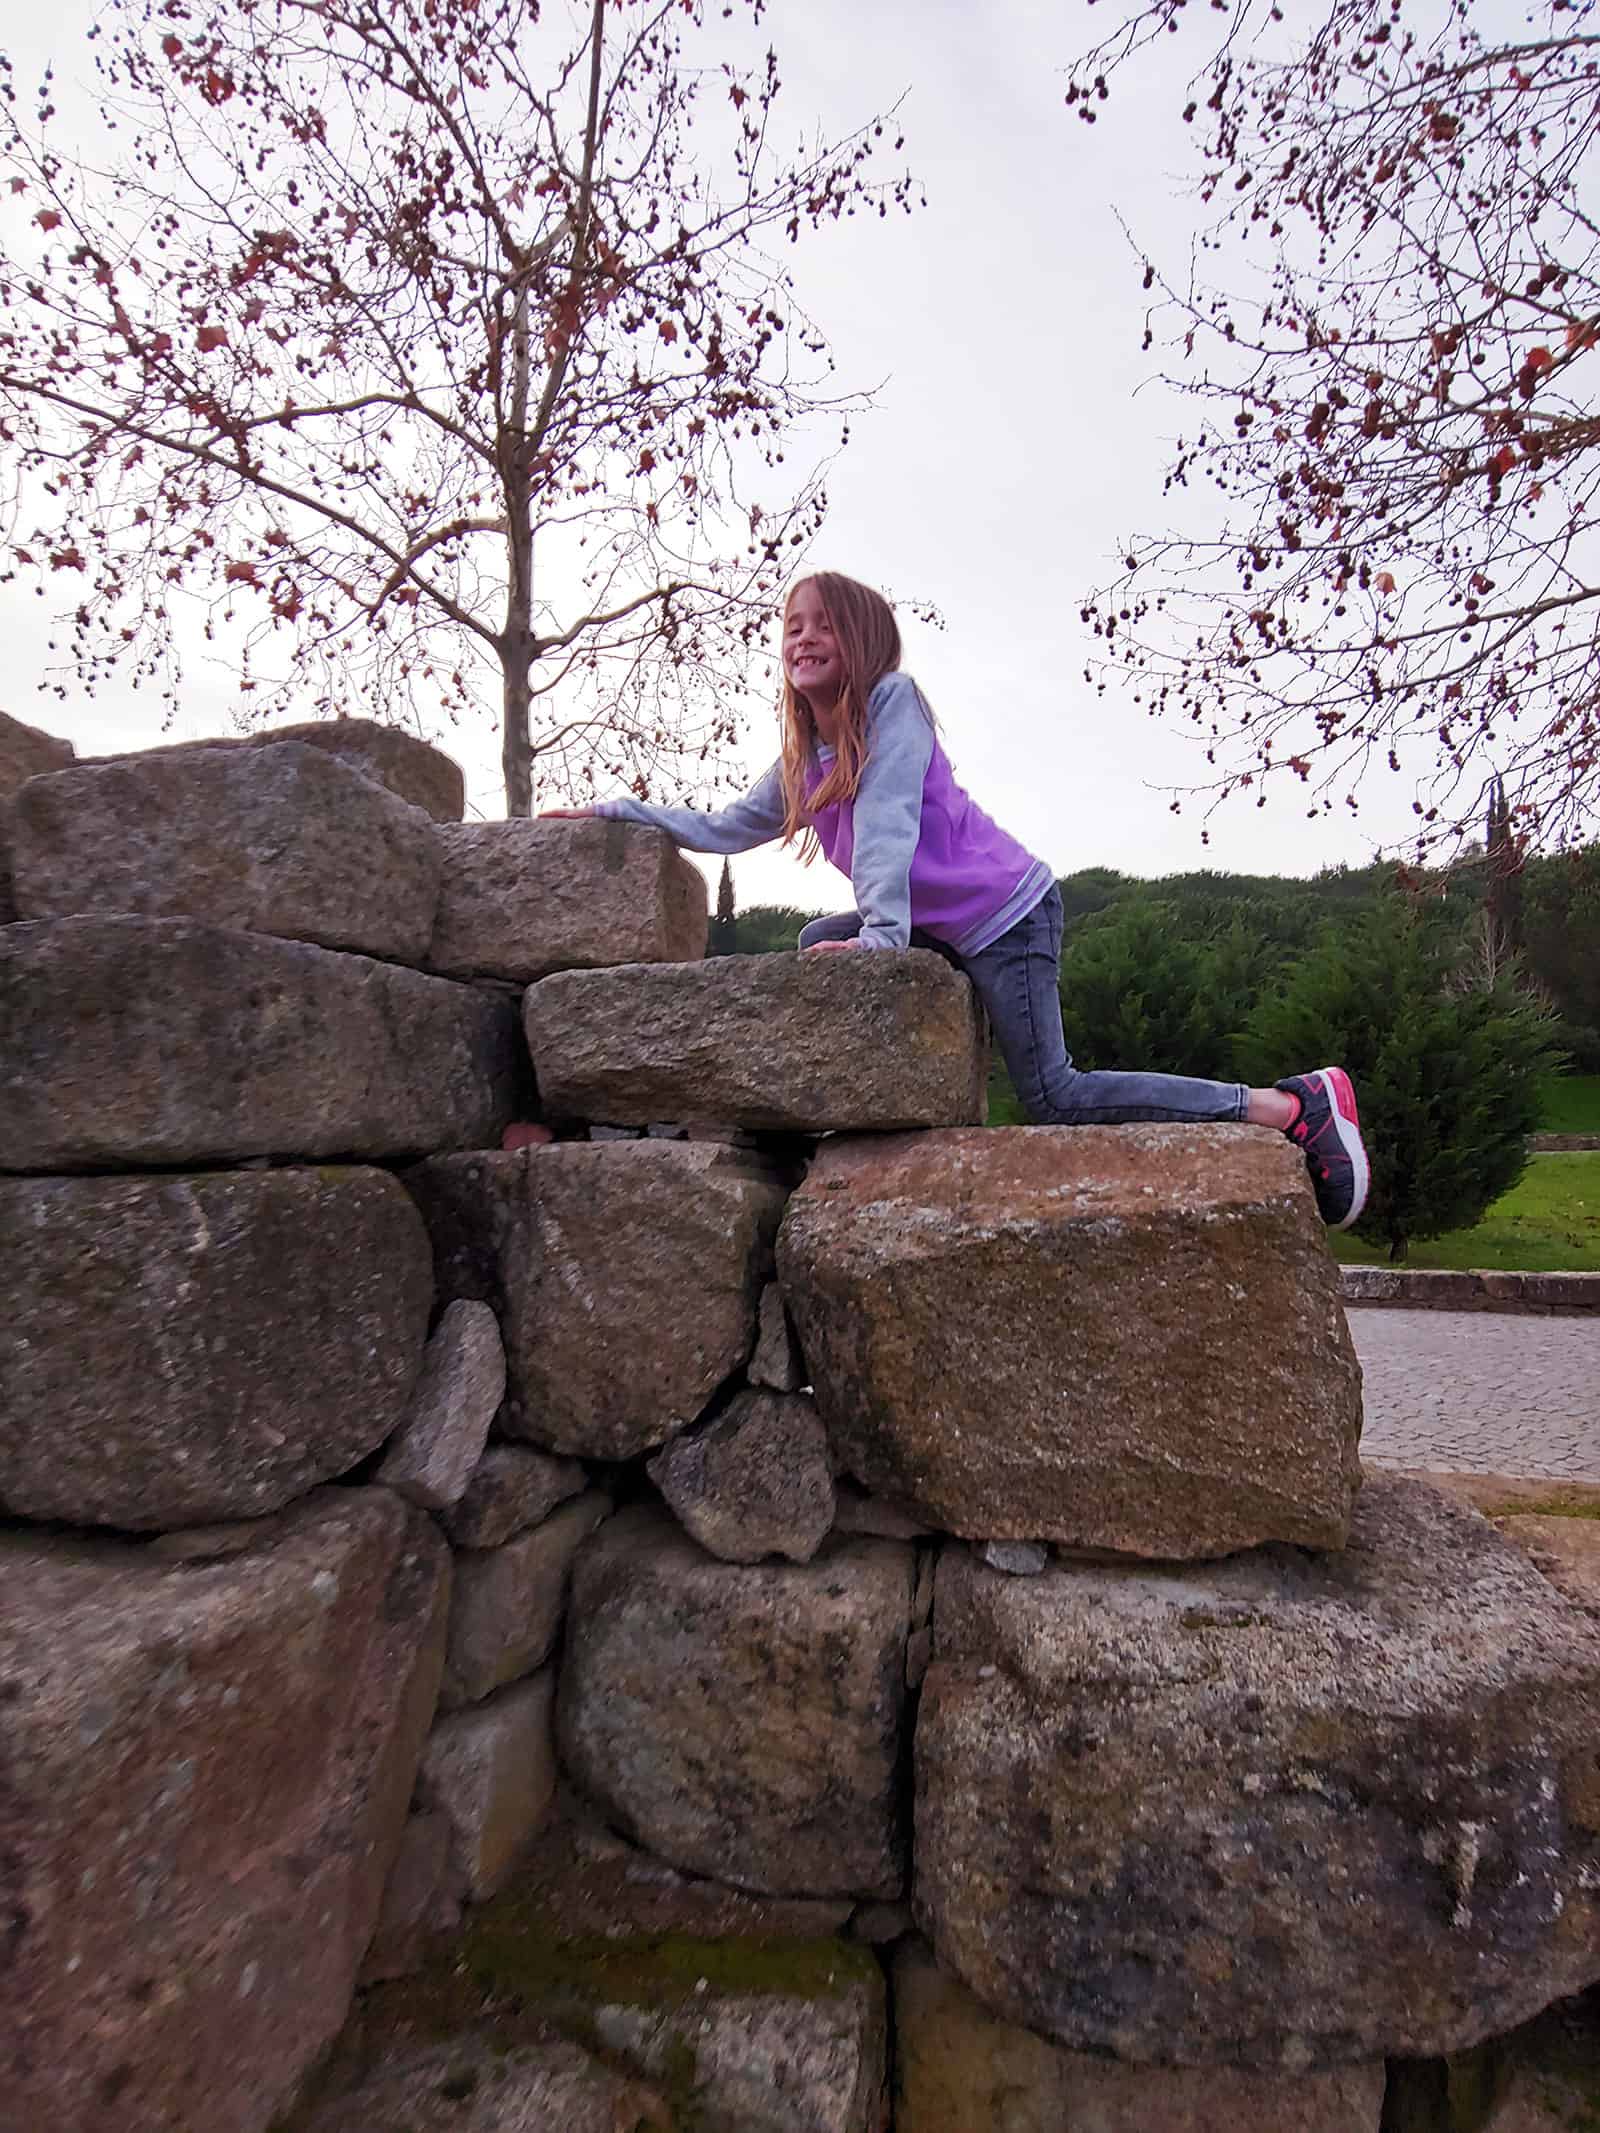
1018 979
837 926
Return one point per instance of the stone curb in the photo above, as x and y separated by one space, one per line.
1527 1295
1562 1143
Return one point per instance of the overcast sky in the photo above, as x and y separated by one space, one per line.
1010 452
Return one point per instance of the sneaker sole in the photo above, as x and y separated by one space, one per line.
1335 1083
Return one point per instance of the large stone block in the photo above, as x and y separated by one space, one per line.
1279 1812
412 769
285 840
132 1041
25 753
206 1776
472 2083
958 2069
744 1721
178 1349
1118 1337
626 1277
521 899
800 1043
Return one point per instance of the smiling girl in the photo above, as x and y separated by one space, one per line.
863 770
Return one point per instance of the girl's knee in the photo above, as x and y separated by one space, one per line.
1041 1105
838 926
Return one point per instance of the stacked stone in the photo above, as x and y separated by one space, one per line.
1255 1785
239 1454
583 1599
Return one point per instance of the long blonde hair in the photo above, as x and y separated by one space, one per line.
868 638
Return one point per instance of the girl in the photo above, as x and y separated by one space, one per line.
862 768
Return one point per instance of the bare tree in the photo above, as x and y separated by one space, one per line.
417 344
1391 327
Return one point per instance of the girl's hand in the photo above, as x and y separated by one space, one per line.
569 814
821 947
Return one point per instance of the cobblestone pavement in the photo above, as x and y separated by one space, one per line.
1477 1392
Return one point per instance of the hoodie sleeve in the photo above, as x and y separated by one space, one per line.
756 817
888 810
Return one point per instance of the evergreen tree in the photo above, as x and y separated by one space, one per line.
771 929
1447 1072
723 938
1141 989
1561 928
1093 889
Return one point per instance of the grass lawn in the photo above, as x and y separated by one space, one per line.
1571 1104
1547 1224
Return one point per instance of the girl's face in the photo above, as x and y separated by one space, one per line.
811 656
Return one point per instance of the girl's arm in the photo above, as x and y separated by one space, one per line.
888 810
756 817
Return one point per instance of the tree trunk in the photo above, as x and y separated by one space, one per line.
516 757
517 641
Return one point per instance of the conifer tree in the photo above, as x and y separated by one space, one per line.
1140 987
724 937
1447 1070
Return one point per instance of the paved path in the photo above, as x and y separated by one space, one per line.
1474 1392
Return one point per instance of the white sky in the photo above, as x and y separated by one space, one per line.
1009 455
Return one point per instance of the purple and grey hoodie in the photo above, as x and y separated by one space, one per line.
917 850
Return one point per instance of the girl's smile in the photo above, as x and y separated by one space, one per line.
811 655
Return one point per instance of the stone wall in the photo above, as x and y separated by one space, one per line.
1488 1289
743 1603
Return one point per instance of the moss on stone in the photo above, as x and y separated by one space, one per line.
511 1974
510 1948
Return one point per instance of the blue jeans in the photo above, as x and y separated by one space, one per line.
1018 979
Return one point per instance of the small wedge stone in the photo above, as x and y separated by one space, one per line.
541 2083
492 1771
512 1487
777 1362
1018 1559
421 1900
507 1602
433 1454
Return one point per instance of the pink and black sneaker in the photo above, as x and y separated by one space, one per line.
1329 1133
